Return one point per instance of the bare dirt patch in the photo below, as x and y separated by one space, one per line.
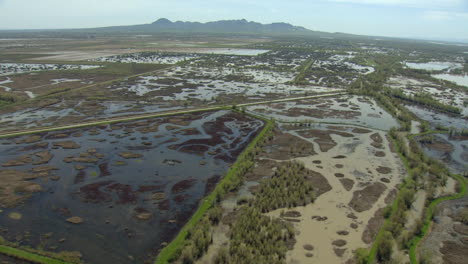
383 170
364 199
286 146
373 226
454 253
347 184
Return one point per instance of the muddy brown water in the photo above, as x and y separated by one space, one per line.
128 210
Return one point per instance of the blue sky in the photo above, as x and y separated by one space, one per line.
444 19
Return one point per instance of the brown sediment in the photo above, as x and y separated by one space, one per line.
150 188
385 180
364 199
339 157
454 253
104 170
183 185
308 247
211 183
285 146
361 130
373 226
80 177
124 192
379 154
339 175
29 139
390 196
339 251
323 137
383 170
44 157
20 161
164 205
75 220
461 229
58 135
181 198
41 145
16 187
263 168
347 184
376 138
321 112
67 144
130 155
142 214
41 169
319 182
439 144
92 193
339 243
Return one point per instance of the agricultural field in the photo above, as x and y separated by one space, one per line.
179 148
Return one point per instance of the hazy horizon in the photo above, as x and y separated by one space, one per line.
435 19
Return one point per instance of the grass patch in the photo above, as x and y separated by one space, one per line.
24 255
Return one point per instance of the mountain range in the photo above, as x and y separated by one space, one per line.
222 26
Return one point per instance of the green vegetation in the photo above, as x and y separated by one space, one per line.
426 100
288 187
300 78
28 256
256 238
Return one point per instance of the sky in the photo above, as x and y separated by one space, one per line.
430 19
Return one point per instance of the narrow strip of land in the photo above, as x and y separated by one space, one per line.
154 114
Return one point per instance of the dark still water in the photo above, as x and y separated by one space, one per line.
116 192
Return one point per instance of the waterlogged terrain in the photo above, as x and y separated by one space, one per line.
68 112
450 149
436 118
433 65
115 193
357 110
15 68
458 79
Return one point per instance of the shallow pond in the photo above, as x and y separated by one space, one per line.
458 79
133 185
433 65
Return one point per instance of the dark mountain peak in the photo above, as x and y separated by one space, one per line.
162 21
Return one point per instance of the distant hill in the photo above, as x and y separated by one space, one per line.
222 26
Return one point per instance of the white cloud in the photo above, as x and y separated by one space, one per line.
433 15
437 15
424 4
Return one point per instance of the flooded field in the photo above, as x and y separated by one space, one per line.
356 110
220 51
451 150
97 191
362 173
15 68
458 79
434 65
148 57
439 92
436 118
